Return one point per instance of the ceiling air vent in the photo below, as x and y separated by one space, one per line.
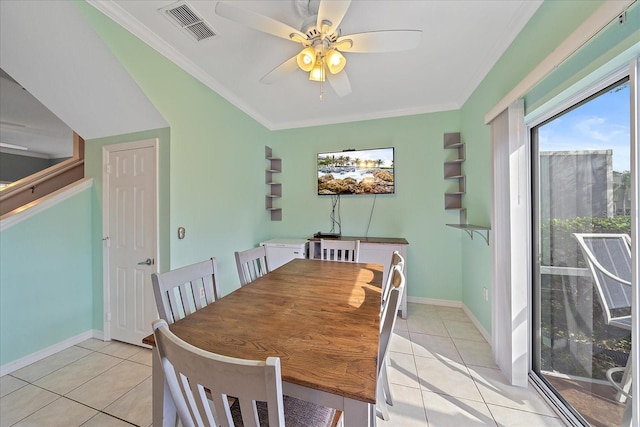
183 15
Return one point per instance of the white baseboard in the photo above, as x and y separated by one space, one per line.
456 304
7 368
476 322
99 335
433 301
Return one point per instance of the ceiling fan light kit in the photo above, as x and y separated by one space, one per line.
320 36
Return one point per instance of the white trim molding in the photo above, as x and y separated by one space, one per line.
634 79
455 304
10 367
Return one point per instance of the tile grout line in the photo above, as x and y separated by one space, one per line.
59 396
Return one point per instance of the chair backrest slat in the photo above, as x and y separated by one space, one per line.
251 264
184 290
339 250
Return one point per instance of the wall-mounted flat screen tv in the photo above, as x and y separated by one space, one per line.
369 171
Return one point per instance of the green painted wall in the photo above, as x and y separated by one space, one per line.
217 175
610 42
212 182
534 43
415 212
215 161
45 278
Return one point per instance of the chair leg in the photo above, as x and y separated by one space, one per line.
387 388
381 405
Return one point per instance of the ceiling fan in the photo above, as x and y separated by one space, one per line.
322 43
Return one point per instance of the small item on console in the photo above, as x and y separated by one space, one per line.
326 235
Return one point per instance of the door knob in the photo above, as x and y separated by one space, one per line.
149 261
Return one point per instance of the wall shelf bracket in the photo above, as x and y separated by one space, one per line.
472 229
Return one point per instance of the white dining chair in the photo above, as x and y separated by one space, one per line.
251 264
339 250
184 290
387 323
396 259
203 385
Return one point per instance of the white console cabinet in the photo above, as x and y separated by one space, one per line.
375 250
281 251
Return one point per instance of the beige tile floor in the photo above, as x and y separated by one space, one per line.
441 374
92 384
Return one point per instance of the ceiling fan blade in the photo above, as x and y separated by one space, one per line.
281 70
382 41
340 83
256 21
332 11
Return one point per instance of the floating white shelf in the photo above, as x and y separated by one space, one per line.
453 199
275 188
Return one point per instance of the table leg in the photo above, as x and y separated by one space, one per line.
403 305
164 410
357 413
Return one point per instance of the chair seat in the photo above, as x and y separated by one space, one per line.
297 413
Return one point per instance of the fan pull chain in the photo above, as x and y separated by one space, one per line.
322 79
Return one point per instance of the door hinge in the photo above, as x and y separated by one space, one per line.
108 317
108 168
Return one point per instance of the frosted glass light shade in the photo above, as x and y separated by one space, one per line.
306 59
317 73
335 61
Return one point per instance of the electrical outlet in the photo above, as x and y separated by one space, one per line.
485 294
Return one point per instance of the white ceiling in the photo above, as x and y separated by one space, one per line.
26 123
461 41
61 63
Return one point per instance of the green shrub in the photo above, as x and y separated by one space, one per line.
560 248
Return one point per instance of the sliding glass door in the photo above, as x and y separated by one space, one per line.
582 236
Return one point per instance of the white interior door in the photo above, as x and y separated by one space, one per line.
130 209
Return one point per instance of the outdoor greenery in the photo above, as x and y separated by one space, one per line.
559 247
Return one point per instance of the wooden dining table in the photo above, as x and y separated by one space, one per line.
321 318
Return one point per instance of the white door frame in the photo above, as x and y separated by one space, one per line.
106 152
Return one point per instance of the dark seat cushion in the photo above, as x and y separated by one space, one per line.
297 413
